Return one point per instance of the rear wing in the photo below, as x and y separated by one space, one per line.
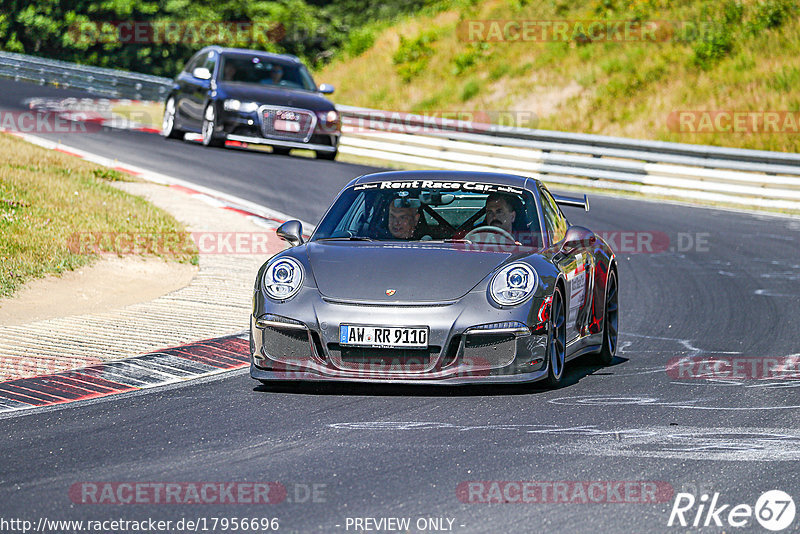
572 201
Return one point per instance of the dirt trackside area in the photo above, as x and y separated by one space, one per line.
108 284
47 198
116 302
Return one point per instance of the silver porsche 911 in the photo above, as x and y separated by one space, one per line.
436 277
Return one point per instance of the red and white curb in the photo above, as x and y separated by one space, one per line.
96 111
177 364
191 361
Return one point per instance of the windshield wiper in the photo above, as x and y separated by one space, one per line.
454 240
347 238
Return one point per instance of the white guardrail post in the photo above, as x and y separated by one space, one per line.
754 178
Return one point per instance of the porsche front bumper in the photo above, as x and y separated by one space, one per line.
469 342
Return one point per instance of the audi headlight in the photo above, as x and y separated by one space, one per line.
231 104
283 278
513 284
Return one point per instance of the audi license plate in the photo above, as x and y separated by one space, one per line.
286 126
408 337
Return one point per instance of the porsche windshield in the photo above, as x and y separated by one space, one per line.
446 212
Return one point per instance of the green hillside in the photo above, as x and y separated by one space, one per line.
719 55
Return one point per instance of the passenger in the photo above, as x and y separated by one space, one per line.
403 222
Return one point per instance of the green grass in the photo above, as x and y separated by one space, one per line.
743 57
46 197
470 90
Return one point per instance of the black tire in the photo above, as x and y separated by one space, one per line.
281 150
330 156
168 129
211 137
556 340
610 321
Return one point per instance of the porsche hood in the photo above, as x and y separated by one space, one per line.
405 272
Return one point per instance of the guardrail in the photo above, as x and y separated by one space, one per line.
107 82
713 174
717 174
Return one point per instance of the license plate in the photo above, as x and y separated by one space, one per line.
383 336
286 126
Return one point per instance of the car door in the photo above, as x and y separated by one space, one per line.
572 261
184 83
194 91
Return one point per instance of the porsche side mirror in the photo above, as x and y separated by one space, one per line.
291 232
201 73
577 236
325 88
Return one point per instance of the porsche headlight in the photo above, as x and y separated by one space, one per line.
283 278
231 104
513 284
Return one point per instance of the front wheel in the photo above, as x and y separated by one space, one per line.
210 135
610 321
556 340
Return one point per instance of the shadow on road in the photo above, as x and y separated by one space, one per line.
576 370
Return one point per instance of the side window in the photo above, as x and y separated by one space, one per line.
194 63
352 220
553 219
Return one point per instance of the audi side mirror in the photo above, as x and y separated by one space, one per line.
201 73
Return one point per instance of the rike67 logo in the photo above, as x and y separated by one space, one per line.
774 510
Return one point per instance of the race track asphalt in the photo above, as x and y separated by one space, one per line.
727 285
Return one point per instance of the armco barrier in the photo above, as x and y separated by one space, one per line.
106 82
718 174
756 189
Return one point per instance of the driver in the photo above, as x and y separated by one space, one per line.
402 221
229 72
500 212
